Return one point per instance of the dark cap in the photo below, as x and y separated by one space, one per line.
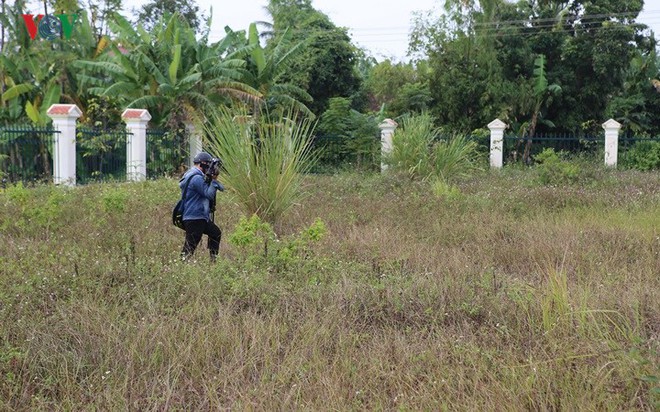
203 157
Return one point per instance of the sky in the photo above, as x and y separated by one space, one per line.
380 26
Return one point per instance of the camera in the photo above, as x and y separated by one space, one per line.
213 169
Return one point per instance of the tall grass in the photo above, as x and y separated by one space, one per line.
419 153
264 159
411 146
455 157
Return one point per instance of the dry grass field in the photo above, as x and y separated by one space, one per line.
505 295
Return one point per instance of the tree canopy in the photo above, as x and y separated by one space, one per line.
538 65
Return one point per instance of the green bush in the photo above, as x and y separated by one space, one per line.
354 135
444 190
455 157
643 156
257 242
418 153
264 158
411 151
554 170
114 200
251 234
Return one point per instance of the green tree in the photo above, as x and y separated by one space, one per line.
401 87
100 12
479 56
636 104
541 95
354 133
152 12
171 73
266 72
327 66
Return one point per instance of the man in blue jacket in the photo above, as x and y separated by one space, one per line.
199 199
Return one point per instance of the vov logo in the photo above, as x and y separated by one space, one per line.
50 26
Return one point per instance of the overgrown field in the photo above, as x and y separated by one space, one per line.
507 295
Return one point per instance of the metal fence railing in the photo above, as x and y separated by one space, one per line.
26 153
514 146
100 155
167 153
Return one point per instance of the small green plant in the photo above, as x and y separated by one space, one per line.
554 170
46 214
250 233
297 248
444 190
254 237
18 194
114 200
643 156
32 209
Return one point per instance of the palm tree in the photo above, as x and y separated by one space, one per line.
542 95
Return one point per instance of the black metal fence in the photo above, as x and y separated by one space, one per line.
26 153
167 153
514 146
100 155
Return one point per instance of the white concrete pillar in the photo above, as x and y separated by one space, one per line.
136 143
497 143
64 147
387 128
194 142
612 128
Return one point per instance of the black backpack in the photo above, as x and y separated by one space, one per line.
177 212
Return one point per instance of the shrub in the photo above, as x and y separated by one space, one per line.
416 154
114 200
353 135
411 152
250 234
455 157
264 158
254 237
444 190
554 170
643 156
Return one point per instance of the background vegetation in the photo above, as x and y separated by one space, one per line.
539 66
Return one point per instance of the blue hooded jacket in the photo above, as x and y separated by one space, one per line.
196 205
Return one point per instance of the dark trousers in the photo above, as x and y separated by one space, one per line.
194 231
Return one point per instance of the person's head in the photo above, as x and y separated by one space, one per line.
203 161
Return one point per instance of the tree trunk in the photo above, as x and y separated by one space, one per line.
44 155
532 130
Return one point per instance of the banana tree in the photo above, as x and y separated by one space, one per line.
267 70
169 71
541 97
